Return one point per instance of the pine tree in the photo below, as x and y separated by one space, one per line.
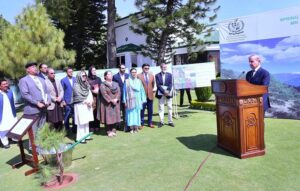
164 22
32 38
3 24
83 24
111 35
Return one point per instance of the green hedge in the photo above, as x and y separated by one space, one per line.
208 106
203 94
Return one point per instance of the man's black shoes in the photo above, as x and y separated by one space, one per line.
171 124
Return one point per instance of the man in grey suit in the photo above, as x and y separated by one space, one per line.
36 96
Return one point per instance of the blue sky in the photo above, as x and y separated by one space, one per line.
229 8
276 54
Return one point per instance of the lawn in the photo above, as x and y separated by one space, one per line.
167 158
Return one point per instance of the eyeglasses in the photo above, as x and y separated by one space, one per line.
146 68
83 76
52 73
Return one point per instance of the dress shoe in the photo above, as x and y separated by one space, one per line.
83 142
171 124
151 126
160 125
110 133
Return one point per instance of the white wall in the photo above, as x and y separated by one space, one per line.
123 31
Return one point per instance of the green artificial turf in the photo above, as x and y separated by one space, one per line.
166 159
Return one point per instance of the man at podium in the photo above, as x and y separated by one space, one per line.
259 76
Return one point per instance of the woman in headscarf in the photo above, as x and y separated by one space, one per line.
83 111
133 96
95 82
110 106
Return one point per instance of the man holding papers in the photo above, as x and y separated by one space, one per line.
164 93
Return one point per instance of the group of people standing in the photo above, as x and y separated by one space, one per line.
131 94
87 101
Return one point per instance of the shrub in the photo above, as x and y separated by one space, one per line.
208 106
203 94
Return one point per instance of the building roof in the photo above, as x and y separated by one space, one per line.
128 48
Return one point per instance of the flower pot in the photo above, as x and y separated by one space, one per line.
50 155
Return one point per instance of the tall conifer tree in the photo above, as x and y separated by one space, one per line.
84 25
166 21
111 35
3 24
32 38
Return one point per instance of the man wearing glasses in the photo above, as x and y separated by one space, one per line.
120 78
148 83
55 108
43 68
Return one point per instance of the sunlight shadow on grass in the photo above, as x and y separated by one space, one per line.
203 142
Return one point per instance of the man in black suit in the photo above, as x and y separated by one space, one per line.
120 78
259 76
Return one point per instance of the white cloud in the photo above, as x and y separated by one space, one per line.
241 59
285 51
257 48
236 59
288 42
290 54
227 50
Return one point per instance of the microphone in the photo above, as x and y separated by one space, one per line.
241 75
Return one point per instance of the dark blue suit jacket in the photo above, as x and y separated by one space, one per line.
41 75
68 89
12 104
159 83
117 78
261 77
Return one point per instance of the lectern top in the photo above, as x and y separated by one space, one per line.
21 127
237 87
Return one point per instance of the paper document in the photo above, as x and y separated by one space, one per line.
21 126
165 88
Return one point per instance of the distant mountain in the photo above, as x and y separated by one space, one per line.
294 82
231 74
288 78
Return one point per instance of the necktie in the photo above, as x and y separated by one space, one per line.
38 83
146 79
40 87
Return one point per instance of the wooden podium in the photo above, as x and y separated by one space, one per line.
240 117
24 125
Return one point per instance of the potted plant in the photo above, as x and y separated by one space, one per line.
52 147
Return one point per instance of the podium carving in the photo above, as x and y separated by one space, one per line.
240 117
